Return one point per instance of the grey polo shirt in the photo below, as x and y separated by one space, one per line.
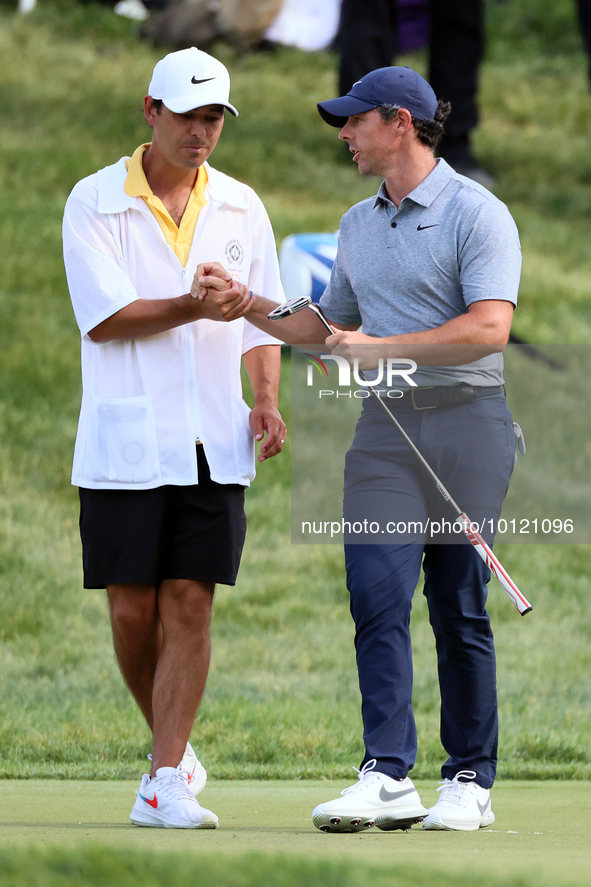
450 243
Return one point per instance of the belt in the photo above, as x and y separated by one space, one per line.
443 396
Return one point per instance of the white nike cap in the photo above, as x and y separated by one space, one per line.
190 79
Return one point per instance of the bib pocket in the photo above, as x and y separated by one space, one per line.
125 440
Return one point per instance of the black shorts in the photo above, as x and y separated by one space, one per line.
171 532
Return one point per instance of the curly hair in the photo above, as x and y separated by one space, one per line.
429 132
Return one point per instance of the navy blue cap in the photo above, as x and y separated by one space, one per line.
401 87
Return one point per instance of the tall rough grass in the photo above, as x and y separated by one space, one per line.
282 700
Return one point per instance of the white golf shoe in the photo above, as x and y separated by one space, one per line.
463 805
376 800
193 770
167 802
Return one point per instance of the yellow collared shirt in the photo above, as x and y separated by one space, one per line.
179 239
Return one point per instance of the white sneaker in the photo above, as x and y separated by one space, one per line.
463 806
167 802
193 770
376 799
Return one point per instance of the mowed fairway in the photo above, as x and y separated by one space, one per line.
541 834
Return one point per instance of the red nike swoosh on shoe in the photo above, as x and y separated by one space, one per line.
153 803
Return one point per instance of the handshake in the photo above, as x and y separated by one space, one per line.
222 297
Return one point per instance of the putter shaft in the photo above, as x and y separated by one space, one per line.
474 536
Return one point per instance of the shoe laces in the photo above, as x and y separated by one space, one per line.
186 774
363 776
456 792
176 785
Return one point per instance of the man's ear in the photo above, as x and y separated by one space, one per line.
150 111
403 120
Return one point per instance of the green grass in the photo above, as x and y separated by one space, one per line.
100 867
282 699
81 830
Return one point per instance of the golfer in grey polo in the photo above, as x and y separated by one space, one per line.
430 264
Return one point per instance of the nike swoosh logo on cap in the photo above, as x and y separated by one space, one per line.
207 79
385 795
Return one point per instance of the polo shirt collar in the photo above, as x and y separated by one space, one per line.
427 190
113 199
136 183
110 183
222 189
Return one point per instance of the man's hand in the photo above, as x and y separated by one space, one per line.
222 297
225 304
202 279
265 418
353 344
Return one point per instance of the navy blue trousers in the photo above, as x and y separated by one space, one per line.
471 448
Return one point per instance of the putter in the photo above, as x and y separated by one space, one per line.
292 306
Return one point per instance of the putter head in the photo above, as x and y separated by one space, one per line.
292 306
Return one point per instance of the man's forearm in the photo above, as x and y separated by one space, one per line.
147 317
429 353
297 329
263 366
302 328
483 330
461 340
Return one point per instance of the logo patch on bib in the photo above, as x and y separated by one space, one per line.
234 252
